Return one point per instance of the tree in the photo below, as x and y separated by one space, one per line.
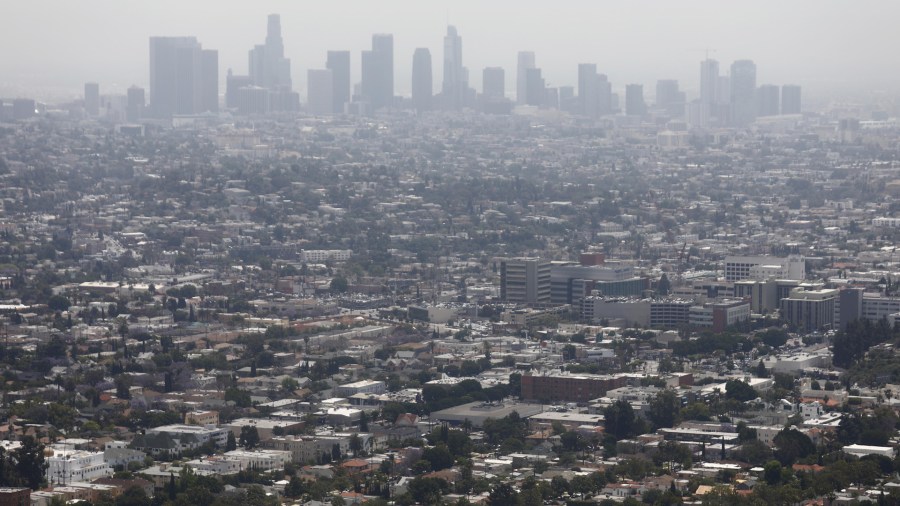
663 409
739 391
249 437
295 487
231 444
428 491
339 284
772 472
30 464
503 495
364 422
791 444
439 457
663 286
58 303
355 444
620 420
133 496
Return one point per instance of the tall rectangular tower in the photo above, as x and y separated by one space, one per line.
338 63
320 86
525 280
422 79
743 92
92 99
177 76
525 63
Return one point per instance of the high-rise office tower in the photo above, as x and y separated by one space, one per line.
92 99
320 89
525 62
455 85
588 90
377 84
634 100
268 66
709 82
604 91
422 85
179 77
134 110
209 80
790 99
743 92
525 280
767 100
233 84
535 88
339 64
667 93
493 83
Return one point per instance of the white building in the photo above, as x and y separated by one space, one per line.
66 466
764 267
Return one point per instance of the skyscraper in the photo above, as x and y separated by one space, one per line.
180 80
525 62
525 280
767 100
377 84
339 64
92 99
320 89
209 80
493 83
535 88
268 66
422 84
604 91
743 92
634 100
134 110
709 82
588 90
456 82
667 92
790 99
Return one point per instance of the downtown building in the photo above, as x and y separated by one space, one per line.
183 77
267 87
525 281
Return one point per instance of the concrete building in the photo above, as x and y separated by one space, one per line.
720 314
66 466
764 267
568 387
809 309
361 387
571 282
477 412
13 496
320 89
525 280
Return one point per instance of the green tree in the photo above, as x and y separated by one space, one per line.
503 495
30 464
339 284
428 491
620 420
740 391
249 437
231 443
663 409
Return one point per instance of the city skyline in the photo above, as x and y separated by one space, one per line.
493 38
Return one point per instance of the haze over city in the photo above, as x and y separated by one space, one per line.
51 47
410 253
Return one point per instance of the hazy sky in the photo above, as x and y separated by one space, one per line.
53 46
